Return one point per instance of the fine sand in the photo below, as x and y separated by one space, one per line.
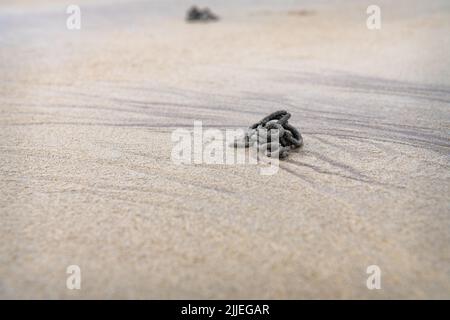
86 171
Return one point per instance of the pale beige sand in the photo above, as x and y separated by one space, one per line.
87 179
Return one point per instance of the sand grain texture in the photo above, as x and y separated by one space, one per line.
87 178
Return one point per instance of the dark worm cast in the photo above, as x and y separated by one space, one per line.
273 135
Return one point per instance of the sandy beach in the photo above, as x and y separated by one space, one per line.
87 177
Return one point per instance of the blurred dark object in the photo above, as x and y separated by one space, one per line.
196 14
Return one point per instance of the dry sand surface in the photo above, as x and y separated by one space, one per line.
87 177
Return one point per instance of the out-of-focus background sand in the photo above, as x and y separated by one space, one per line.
87 179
